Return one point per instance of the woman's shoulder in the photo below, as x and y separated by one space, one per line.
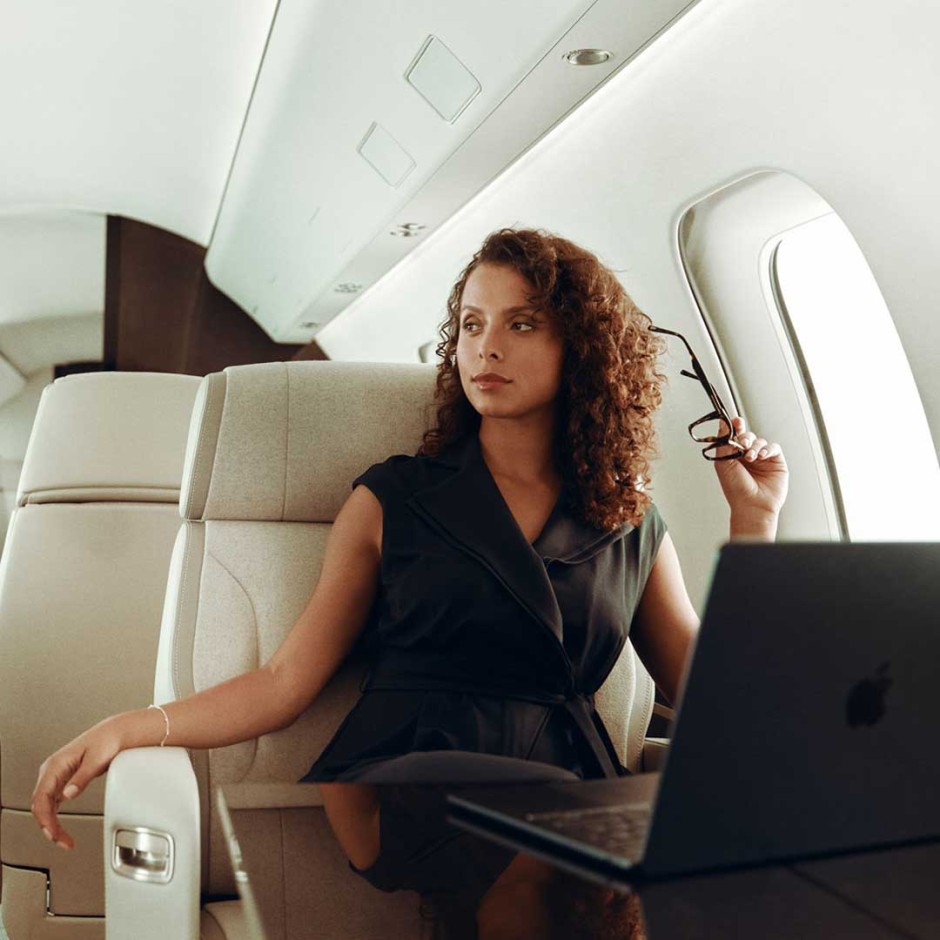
652 517
399 474
650 533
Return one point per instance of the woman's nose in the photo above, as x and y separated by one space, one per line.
488 348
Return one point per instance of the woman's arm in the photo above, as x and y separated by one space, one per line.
251 704
665 623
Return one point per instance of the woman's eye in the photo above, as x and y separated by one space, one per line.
469 326
523 326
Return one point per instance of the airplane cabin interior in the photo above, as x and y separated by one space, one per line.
228 232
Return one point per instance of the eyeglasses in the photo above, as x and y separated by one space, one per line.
720 413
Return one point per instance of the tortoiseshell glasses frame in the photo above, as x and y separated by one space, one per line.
720 413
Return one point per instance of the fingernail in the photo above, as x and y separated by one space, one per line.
62 845
47 833
70 791
763 452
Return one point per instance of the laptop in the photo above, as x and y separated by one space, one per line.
806 727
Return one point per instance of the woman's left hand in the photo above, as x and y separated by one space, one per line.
756 484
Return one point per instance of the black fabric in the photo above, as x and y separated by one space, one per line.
419 849
483 642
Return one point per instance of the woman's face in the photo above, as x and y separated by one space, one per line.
509 355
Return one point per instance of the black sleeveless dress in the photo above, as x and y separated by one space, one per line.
483 642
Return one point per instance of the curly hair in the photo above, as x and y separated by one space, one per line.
610 385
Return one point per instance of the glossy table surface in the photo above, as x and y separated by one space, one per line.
878 894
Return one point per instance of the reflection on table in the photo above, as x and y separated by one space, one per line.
473 887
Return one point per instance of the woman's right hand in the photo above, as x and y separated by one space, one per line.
65 774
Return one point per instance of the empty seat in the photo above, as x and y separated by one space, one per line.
82 584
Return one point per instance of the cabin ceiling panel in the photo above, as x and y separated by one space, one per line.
129 109
51 265
304 214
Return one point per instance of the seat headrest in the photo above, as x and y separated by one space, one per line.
109 436
283 441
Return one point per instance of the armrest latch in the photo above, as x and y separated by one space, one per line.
143 855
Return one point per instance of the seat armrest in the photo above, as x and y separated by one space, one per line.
654 754
152 790
664 711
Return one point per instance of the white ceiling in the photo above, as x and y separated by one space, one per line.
126 108
233 123
51 264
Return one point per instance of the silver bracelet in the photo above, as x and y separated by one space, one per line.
166 719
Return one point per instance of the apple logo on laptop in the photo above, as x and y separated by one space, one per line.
866 702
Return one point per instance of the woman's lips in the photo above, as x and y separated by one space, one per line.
490 380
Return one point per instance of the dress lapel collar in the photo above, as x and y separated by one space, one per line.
567 539
468 510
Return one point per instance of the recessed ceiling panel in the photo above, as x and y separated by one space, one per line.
442 79
385 155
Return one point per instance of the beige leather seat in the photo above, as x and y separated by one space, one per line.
271 456
82 584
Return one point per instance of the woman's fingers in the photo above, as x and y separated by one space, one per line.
65 774
45 810
755 448
54 777
754 444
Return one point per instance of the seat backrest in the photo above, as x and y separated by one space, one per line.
272 452
82 584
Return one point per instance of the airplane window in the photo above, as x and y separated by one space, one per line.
868 407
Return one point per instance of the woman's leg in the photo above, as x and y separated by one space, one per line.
513 908
533 899
352 810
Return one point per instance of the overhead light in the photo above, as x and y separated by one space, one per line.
408 229
588 56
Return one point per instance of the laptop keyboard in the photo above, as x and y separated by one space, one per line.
619 830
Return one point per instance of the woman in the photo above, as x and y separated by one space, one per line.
513 553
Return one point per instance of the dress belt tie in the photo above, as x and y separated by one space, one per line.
581 709
579 705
